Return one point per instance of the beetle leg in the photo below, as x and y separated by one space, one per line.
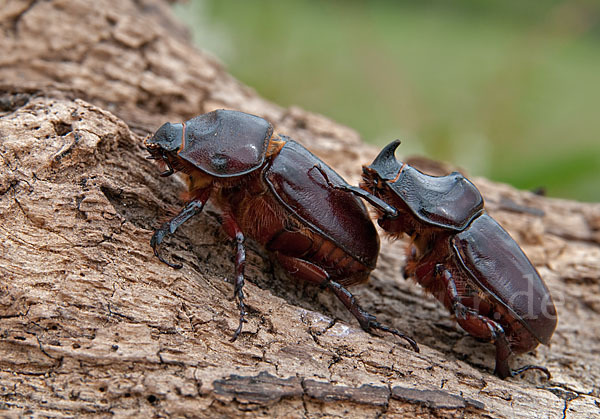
310 272
169 170
385 208
503 369
232 229
367 321
192 208
465 315
532 367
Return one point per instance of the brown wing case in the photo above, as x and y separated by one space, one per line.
498 265
335 214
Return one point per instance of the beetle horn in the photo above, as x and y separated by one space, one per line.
385 164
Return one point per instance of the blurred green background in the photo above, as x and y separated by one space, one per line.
507 89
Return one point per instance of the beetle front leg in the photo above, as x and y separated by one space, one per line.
192 208
469 319
310 272
232 229
387 210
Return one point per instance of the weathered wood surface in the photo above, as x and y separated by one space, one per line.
92 324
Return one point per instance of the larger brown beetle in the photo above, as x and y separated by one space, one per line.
463 256
267 189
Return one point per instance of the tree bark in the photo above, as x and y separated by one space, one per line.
91 323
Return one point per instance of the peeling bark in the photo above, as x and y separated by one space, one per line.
92 324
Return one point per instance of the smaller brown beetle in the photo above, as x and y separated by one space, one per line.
463 256
267 188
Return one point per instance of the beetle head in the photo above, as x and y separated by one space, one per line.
380 179
165 140
443 202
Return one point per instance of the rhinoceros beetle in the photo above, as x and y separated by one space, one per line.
266 188
462 256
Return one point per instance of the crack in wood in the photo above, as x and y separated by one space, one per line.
265 388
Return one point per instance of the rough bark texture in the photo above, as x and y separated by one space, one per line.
92 324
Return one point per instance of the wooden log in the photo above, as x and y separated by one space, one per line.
92 324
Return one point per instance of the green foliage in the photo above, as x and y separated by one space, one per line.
508 89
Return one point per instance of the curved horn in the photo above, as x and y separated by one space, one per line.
385 164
